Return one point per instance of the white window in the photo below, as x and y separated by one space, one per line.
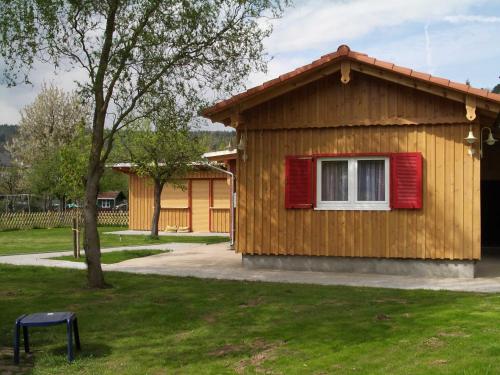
106 203
360 183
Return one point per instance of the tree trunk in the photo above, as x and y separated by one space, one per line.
95 170
92 247
157 205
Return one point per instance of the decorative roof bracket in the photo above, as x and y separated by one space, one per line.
345 71
470 107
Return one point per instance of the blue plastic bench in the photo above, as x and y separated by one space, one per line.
44 320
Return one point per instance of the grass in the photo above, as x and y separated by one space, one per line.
60 239
116 256
157 325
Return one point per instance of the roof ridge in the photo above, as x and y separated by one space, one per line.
344 51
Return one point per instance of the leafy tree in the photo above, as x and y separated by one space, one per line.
131 49
50 133
10 180
10 183
61 172
72 165
162 150
46 125
112 180
44 177
496 89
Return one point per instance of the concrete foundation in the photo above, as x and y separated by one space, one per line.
409 267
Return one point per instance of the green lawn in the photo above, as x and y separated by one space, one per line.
167 325
116 256
58 239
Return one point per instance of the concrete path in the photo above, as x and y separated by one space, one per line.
129 232
217 262
43 259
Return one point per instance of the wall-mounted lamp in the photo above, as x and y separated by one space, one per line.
242 146
490 141
471 139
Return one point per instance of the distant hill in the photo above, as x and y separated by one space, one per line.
211 140
215 140
6 134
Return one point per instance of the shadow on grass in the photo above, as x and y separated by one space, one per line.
89 350
7 366
189 325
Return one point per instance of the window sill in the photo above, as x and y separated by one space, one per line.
353 208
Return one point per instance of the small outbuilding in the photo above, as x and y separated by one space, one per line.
351 163
200 202
108 200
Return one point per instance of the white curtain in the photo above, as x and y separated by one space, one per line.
334 177
371 180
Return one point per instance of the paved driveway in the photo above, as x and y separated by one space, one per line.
217 262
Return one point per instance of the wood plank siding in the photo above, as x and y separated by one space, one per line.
220 206
366 100
328 117
176 204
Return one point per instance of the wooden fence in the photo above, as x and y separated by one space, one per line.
24 220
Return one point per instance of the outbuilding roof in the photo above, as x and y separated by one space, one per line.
344 53
109 195
223 155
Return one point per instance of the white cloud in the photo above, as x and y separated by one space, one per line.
457 58
429 35
427 39
428 48
325 23
13 99
465 18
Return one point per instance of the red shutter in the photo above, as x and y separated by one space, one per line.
406 180
298 182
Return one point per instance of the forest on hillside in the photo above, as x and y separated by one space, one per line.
15 180
211 140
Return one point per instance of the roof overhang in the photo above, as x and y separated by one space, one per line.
128 168
344 60
221 156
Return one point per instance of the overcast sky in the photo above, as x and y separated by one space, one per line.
455 39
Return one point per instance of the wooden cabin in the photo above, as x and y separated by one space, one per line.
355 164
198 203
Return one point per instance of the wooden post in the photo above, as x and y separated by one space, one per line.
75 239
78 238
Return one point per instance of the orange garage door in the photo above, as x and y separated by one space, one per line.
200 205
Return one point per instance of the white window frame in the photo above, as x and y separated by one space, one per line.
352 204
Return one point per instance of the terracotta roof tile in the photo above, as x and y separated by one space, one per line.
440 81
318 62
384 64
479 92
270 83
402 70
419 75
329 55
459 86
366 59
494 96
285 76
344 52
